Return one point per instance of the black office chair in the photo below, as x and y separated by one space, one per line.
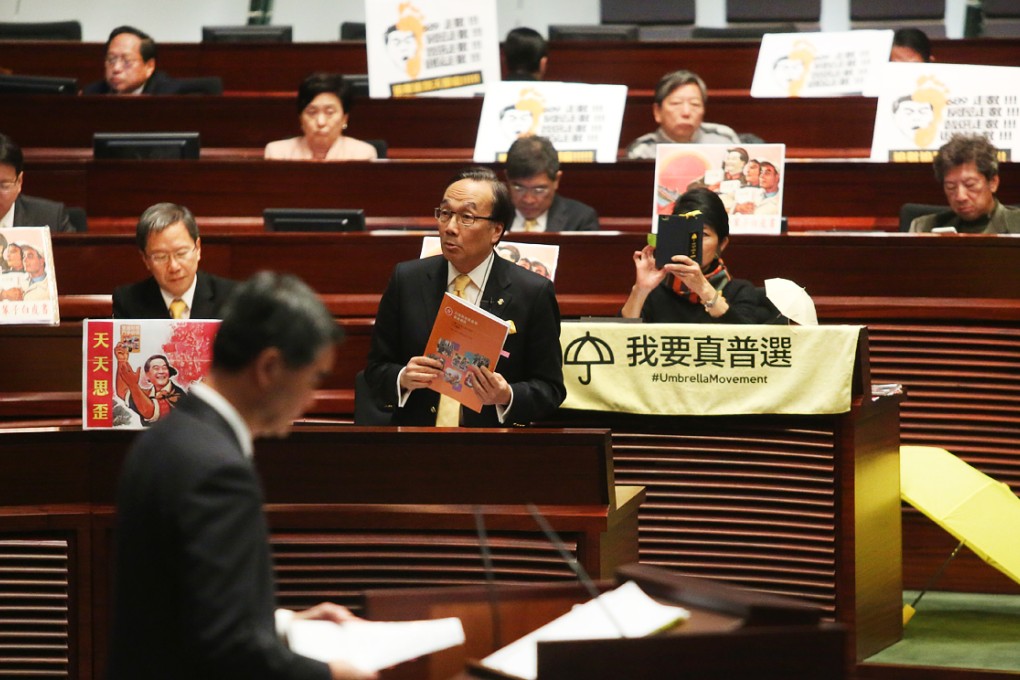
366 410
740 32
911 211
352 30
47 30
358 83
202 85
78 219
381 147
773 12
610 32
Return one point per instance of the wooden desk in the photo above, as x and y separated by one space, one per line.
424 126
844 189
726 635
724 64
953 347
347 508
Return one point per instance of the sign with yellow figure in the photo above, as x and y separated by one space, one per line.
920 106
419 48
582 121
820 64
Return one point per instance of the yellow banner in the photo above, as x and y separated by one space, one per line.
706 369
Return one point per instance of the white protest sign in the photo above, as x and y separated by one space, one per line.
431 47
747 177
920 106
582 121
820 64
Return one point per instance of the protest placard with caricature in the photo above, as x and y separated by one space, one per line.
582 121
920 106
444 48
747 177
136 371
820 64
28 279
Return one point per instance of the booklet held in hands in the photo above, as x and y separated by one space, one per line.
462 335
679 235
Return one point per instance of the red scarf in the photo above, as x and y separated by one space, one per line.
716 274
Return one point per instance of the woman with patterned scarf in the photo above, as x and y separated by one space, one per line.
686 291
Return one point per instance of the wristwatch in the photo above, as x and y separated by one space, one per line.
711 303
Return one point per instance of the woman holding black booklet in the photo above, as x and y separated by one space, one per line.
685 291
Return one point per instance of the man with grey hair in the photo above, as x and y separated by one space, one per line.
171 248
967 167
679 109
527 384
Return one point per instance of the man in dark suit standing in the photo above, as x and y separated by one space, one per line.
18 210
533 171
194 590
130 66
528 382
167 236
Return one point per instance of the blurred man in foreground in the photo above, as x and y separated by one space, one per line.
195 596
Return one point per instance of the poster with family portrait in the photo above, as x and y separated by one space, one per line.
418 48
28 280
920 106
541 258
136 371
748 179
582 121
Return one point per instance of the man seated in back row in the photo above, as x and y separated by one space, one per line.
679 109
533 172
171 248
130 66
18 210
967 166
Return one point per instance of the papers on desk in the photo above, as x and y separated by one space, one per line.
374 645
624 612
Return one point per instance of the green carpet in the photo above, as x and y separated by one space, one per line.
959 630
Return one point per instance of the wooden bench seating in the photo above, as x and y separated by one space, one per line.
423 127
871 193
724 64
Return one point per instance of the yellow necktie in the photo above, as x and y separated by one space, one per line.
448 412
177 308
530 225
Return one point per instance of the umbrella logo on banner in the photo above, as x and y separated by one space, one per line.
588 352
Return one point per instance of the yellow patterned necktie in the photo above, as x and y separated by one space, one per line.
177 308
530 225
448 412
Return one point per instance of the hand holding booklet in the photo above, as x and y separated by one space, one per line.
374 645
624 612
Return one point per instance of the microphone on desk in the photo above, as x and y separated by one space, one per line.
575 566
490 578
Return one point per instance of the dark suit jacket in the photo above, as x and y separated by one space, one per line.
194 596
404 322
41 212
158 83
143 300
566 214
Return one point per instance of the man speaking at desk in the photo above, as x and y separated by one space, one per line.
528 382
167 236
